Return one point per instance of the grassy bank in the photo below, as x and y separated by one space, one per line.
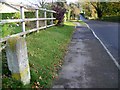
46 50
111 18
80 21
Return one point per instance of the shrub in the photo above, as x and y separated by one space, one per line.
11 15
59 13
10 28
16 15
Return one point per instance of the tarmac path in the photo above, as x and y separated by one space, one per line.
87 64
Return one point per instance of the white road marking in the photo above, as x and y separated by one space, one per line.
114 60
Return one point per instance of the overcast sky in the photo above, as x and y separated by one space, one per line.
34 1
68 1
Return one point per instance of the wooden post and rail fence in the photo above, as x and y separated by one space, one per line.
16 48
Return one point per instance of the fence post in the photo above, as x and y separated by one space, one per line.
45 16
17 58
22 17
1 66
52 17
37 21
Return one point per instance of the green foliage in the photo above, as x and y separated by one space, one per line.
11 15
5 30
7 15
75 10
103 9
111 9
11 28
48 16
111 18
41 14
30 14
87 10
0 16
98 8
46 51
16 15
0 31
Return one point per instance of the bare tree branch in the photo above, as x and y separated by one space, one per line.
93 5
40 3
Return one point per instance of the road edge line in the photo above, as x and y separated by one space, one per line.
114 60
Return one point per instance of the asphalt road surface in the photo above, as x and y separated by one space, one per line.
108 34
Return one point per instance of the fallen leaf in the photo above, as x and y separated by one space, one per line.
33 87
36 87
40 78
35 83
38 83
53 76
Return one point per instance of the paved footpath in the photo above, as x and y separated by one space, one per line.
87 64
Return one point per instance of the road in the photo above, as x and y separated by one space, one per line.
108 34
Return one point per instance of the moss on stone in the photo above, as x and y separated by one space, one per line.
12 42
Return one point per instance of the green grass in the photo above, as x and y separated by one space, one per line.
80 21
46 51
111 18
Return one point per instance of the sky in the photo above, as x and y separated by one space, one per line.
34 1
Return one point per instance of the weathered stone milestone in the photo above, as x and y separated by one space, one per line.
17 59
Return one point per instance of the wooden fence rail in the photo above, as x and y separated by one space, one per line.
23 20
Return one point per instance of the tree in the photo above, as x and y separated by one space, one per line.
42 3
101 9
112 9
75 10
39 3
87 9
60 11
97 6
106 8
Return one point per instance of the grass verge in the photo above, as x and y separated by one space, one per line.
46 50
80 21
111 19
